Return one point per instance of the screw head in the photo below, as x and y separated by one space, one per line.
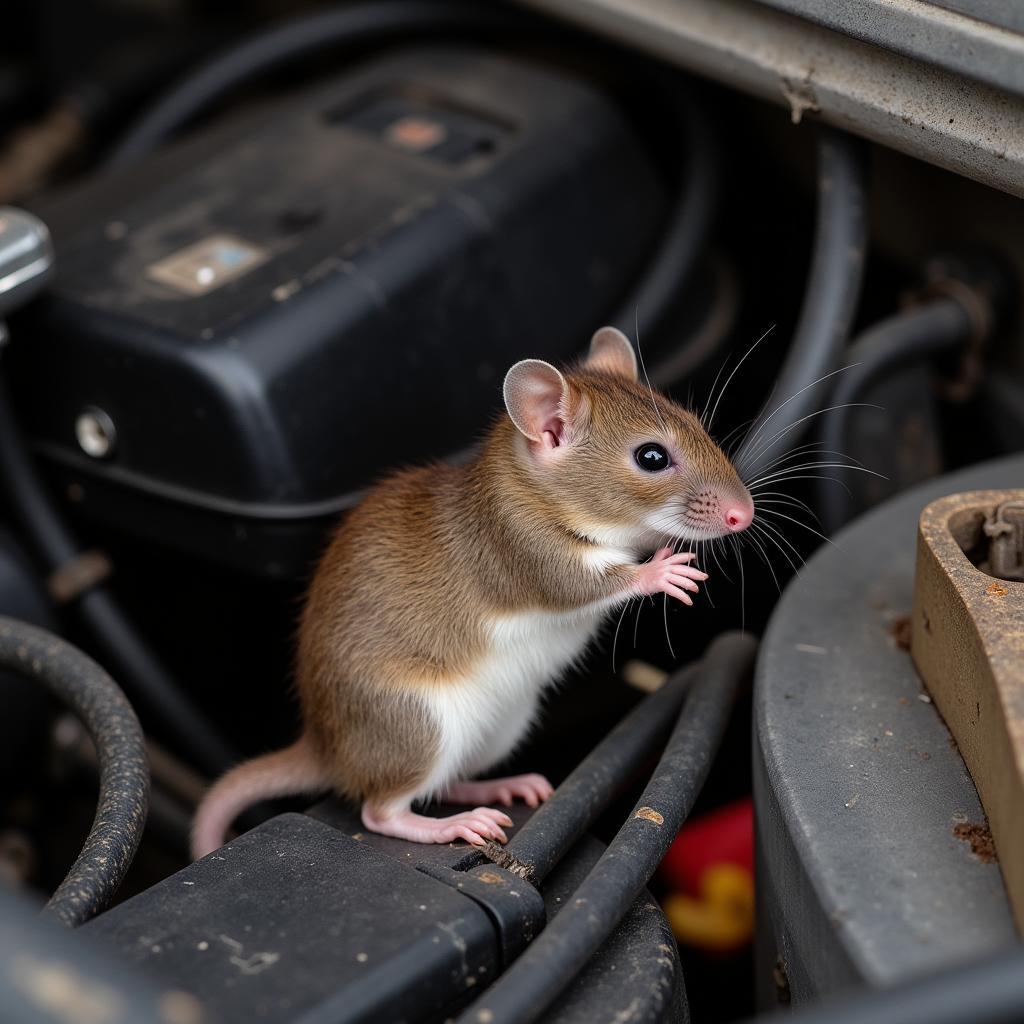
96 433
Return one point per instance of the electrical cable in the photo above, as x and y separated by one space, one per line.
77 680
559 822
527 988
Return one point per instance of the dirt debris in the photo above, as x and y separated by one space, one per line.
979 835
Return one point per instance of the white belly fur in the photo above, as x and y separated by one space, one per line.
483 717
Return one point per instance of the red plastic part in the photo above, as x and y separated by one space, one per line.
725 835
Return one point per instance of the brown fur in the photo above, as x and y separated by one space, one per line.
411 576
406 589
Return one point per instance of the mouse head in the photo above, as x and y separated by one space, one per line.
623 465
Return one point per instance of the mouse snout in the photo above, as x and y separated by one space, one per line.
738 516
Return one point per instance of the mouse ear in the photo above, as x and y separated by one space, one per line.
535 397
611 352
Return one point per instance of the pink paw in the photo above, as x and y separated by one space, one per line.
476 826
532 789
670 574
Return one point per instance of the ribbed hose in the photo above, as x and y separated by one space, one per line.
148 682
913 336
829 304
77 681
526 989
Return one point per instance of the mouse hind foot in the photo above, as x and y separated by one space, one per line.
476 826
533 789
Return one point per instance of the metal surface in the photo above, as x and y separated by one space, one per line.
935 115
981 41
968 644
26 257
95 433
859 788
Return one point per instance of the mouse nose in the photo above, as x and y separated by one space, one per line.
738 517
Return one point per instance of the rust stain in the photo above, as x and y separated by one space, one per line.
980 837
997 590
651 815
490 877
900 631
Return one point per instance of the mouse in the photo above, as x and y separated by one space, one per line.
454 596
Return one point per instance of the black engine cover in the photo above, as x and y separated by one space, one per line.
270 315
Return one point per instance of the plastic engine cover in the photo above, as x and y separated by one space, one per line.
261 320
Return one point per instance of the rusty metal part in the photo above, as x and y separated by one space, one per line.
967 641
927 112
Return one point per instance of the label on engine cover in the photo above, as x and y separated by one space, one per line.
203 266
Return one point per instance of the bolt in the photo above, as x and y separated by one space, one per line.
96 433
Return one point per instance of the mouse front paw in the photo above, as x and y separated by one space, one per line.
668 573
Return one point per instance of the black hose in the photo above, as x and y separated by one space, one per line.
525 991
689 220
553 830
829 304
128 656
288 43
917 334
80 683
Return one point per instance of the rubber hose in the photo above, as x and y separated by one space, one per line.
79 682
285 44
526 989
689 220
127 654
559 822
913 336
829 303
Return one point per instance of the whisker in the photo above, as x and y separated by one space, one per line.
664 615
754 539
782 405
618 626
714 410
806 476
810 529
815 465
657 411
776 536
766 446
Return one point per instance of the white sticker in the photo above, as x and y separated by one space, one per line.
200 268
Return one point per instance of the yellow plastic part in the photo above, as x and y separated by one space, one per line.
722 919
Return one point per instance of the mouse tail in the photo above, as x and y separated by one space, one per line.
289 772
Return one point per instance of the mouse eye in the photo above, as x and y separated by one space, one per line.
652 457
